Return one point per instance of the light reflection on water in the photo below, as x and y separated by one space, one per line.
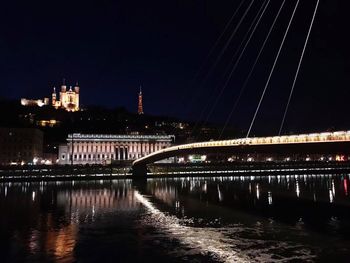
222 218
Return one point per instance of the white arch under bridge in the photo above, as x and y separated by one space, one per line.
332 141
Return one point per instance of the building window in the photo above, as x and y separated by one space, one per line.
63 157
89 156
75 156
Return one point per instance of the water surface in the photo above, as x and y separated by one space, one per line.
216 219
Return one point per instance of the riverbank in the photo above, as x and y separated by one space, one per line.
68 173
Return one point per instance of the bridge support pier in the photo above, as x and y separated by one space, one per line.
139 171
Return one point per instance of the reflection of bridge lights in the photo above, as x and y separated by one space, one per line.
333 187
205 187
345 182
269 197
331 197
33 195
250 159
257 192
269 159
220 196
297 189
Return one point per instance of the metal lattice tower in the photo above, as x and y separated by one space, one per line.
140 106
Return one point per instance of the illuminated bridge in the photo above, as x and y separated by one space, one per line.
320 143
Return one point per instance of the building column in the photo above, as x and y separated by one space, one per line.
126 152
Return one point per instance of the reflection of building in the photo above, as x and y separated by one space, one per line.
100 148
20 145
90 201
68 100
31 102
140 106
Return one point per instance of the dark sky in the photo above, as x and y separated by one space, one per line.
113 47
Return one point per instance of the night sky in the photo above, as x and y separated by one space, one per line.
113 47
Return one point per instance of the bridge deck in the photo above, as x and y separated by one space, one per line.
314 138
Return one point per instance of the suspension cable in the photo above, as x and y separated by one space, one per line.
228 24
298 69
221 54
272 69
264 7
231 62
252 70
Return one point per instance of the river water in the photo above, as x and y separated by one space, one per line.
202 219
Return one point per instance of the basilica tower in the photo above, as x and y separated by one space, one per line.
54 97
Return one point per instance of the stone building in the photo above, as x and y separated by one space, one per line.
35 102
20 145
68 99
103 148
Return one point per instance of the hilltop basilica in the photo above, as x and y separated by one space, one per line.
68 100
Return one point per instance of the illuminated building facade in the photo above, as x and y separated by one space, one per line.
20 145
48 123
33 102
140 106
101 148
68 100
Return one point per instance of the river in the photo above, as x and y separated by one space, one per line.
197 219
